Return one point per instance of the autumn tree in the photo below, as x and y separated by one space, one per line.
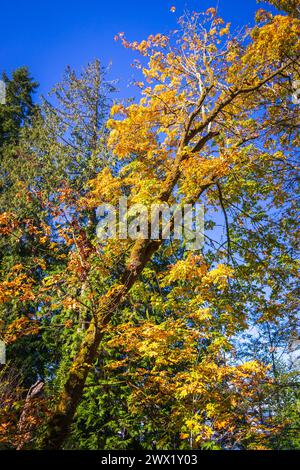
289 6
50 155
215 122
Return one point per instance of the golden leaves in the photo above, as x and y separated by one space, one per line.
273 41
104 188
262 15
192 268
8 223
218 276
17 286
20 327
198 171
211 12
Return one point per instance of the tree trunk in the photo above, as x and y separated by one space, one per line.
25 426
58 426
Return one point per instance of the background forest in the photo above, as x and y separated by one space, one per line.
142 344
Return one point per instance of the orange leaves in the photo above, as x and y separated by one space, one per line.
195 427
192 268
164 366
218 276
151 126
155 343
117 109
274 41
211 12
65 194
20 327
200 315
144 47
68 324
198 171
135 134
8 223
226 30
17 286
5 218
43 240
221 408
70 304
263 15
104 188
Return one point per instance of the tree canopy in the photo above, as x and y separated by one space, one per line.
142 343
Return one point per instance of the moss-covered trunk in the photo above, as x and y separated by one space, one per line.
58 426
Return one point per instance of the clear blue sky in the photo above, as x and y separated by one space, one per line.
49 35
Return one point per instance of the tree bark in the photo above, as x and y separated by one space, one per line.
58 426
25 427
